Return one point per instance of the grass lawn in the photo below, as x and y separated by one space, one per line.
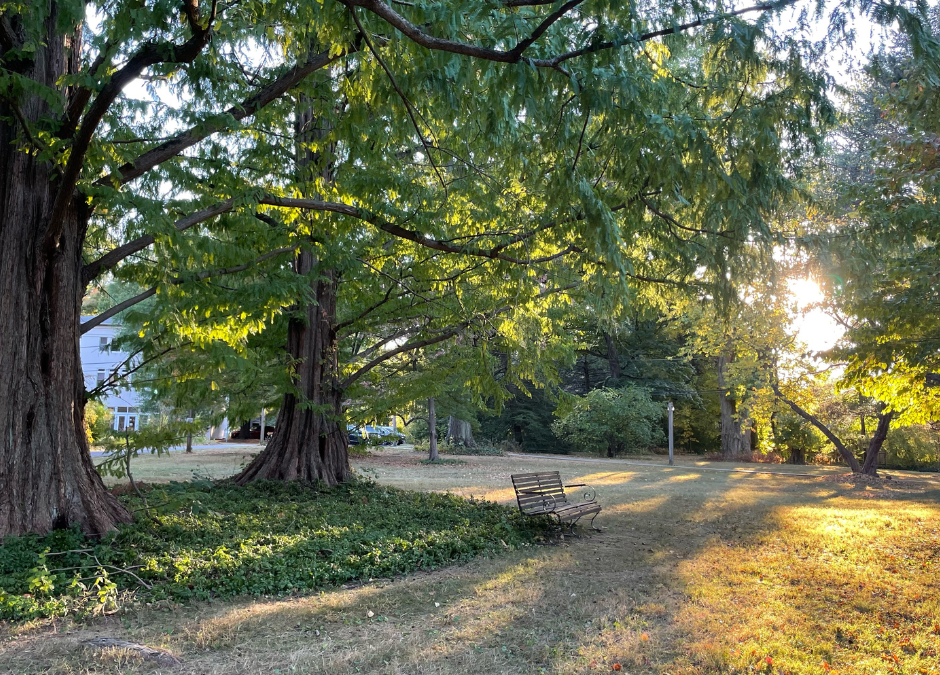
696 571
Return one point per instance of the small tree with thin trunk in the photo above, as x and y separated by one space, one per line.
869 463
432 431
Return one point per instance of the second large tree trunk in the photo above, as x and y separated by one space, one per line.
459 432
735 432
47 479
310 442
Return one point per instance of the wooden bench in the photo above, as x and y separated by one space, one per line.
542 494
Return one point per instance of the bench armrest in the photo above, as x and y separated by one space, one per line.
589 494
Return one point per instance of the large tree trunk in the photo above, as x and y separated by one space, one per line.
735 431
459 432
310 442
47 479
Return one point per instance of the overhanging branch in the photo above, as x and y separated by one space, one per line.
816 422
514 55
248 107
112 258
130 302
407 347
149 54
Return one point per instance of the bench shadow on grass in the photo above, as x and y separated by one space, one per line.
632 595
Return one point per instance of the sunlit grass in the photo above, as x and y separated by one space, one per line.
695 573
839 588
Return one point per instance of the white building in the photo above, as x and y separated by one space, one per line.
99 361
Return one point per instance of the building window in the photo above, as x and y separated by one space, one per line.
103 344
121 422
101 376
122 408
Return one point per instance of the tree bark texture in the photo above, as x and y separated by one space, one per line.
432 430
459 432
189 434
310 442
735 434
870 465
47 478
613 358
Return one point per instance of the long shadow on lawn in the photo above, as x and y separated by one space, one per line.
664 587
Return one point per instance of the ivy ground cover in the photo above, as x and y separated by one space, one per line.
270 539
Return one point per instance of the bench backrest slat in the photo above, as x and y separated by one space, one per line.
536 491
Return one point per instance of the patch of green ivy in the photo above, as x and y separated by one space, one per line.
218 541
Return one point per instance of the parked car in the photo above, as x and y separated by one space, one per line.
253 432
355 435
388 435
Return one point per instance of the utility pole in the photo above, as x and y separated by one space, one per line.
670 408
261 437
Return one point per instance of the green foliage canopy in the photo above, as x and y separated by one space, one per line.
612 420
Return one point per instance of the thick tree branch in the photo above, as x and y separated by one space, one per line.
847 455
117 309
74 113
644 37
186 139
9 40
445 334
539 31
149 54
364 313
407 347
514 55
97 267
112 258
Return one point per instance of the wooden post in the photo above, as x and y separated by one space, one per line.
670 408
189 434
